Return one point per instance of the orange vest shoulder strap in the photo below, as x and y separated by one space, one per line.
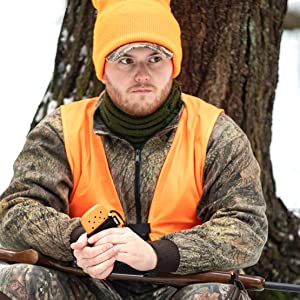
180 184
92 181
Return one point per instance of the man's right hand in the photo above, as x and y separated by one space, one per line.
98 260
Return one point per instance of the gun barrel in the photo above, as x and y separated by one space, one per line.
250 282
284 287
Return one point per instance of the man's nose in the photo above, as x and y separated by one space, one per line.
142 74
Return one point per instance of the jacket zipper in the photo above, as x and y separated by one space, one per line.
137 185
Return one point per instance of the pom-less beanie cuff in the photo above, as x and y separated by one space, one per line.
122 22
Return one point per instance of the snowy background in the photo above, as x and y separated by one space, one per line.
29 31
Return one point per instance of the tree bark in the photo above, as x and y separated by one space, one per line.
231 51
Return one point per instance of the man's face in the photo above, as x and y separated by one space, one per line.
139 81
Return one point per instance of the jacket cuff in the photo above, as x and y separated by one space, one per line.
76 233
168 257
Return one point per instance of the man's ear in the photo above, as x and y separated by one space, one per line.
104 78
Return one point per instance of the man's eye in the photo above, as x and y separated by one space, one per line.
155 59
126 61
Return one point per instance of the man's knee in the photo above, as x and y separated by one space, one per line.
31 282
205 291
22 281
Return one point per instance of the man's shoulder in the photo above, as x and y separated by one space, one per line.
78 111
227 133
52 119
226 125
223 121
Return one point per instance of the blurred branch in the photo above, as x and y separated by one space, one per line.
292 20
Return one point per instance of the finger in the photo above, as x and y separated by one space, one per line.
115 239
99 259
102 270
91 252
107 272
80 243
116 231
92 256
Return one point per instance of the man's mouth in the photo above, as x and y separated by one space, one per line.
142 89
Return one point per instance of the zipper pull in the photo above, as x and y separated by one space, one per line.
137 156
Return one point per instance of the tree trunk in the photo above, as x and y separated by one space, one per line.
231 51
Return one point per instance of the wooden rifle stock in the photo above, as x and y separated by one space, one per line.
33 257
250 282
28 256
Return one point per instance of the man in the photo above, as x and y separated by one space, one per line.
178 170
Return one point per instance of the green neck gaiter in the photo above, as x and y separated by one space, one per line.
138 129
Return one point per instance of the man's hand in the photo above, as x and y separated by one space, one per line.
97 261
130 248
109 245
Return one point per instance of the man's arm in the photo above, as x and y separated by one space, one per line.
34 207
232 207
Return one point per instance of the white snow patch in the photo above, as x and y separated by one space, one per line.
52 106
83 51
68 68
291 237
68 100
64 35
40 114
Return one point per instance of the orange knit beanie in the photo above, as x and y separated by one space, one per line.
121 22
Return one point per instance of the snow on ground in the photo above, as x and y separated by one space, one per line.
285 147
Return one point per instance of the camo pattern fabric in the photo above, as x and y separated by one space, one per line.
30 282
34 208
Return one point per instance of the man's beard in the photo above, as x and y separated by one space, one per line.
143 107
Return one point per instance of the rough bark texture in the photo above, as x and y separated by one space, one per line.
231 51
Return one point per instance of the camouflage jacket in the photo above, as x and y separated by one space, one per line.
34 208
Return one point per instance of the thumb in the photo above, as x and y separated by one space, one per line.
80 243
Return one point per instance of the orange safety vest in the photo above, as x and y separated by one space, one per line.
180 184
